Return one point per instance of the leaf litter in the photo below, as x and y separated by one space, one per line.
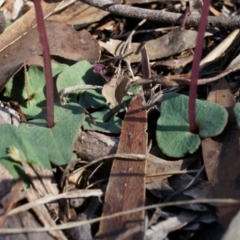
98 115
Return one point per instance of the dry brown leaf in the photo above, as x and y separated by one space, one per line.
221 154
184 79
156 165
201 189
115 90
172 43
63 41
175 63
126 186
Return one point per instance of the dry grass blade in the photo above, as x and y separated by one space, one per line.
83 193
216 202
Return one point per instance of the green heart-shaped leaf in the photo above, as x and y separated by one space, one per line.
112 126
18 90
80 73
11 136
58 140
95 99
237 113
173 135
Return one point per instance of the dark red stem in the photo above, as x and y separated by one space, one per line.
196 67
47 63
186 14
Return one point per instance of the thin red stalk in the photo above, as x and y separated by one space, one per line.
47 63
196 67
186 14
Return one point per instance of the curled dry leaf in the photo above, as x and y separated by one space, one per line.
63 41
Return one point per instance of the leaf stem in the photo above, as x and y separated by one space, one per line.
47 63
196 67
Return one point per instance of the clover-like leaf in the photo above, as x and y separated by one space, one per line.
173 134
92 99
80 73
31 95
11 136
237 113
103 121
58 140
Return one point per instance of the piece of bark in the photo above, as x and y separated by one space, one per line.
91 145
126 186
221 154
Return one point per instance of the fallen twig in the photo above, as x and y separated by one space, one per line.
159 16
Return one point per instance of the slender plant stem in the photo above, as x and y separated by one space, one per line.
195 67
47 63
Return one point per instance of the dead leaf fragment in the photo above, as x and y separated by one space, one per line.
63 42
115 90
221 155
